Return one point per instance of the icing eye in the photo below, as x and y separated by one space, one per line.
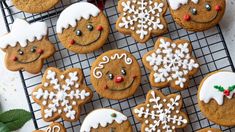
123 72
194 11
90 27
110 76
33 49
79 33
21 52
208 7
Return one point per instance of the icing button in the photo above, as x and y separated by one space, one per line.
40 51
14 58
217 7
119 79
99 28
187 17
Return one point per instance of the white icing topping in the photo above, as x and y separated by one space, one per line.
21 32
171 62
176 4
161 115
98 74
53 129
101 118
222 78
143 13
74 13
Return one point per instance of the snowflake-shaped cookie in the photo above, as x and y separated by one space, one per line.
160 113
141 18
61 94
170 63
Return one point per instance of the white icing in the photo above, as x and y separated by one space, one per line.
74 13
208 92
161 115
53 129
21 32
98 74
101 118
143 13
171 62
176 4
63 95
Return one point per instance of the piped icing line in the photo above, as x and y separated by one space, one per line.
22 32
74 13
176 4
208 90
101 118
55 128
98 74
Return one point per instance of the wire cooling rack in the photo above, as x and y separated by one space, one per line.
209 49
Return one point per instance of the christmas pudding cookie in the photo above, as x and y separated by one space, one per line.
197 15
216 97
26 46
82 28
209 130
115 74
160 113
34 6
61 94
54 127
171 63
142 18
106 120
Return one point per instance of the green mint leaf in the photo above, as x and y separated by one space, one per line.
220 88
15 119
3 128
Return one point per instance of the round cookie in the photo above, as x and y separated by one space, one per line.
26 46
216 97
142 18
209 130
171 63
160 113
82 28
197 15
34 6
54 127
106 120
61 94
115 74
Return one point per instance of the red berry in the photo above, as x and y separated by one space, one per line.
218 8
99 28
226 92
40 51
187 17
14 58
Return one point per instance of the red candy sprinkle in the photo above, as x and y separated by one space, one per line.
119 79
217 7
72 42
14 58
187 17
99 28
40 51
226 92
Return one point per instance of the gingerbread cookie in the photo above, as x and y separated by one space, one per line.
34 6
106 120
160 113
61 94
54 127
115 74
171 63
209 130
82 28
216 97
197 15
26 46
142 18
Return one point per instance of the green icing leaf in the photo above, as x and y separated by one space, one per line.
15 119
220 88
231 88
3 128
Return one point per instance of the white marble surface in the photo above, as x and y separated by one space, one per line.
11 90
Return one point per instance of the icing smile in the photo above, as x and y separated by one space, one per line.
21 62
212 19
89 43
124 88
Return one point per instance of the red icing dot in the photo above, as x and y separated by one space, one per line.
187 17
119 79
218 8
72 42
14 58
40 51
226 92
99 28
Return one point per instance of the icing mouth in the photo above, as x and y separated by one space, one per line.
87 44
212 19
118 89
21 62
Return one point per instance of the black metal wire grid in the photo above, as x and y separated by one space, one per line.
208 47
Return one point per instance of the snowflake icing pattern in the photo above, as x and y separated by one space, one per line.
63 95
171 62
157 118
141 16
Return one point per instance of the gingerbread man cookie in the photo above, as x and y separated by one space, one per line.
160 113
61 94
142 18
82 28
171 63
106 120
54 127
115 74
26 46
216 97
197 15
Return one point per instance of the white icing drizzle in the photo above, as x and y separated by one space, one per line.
160 115
98 74
171 62
145 13
176 4
74 13
62 95
208 92
21 32
53 129
101 118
